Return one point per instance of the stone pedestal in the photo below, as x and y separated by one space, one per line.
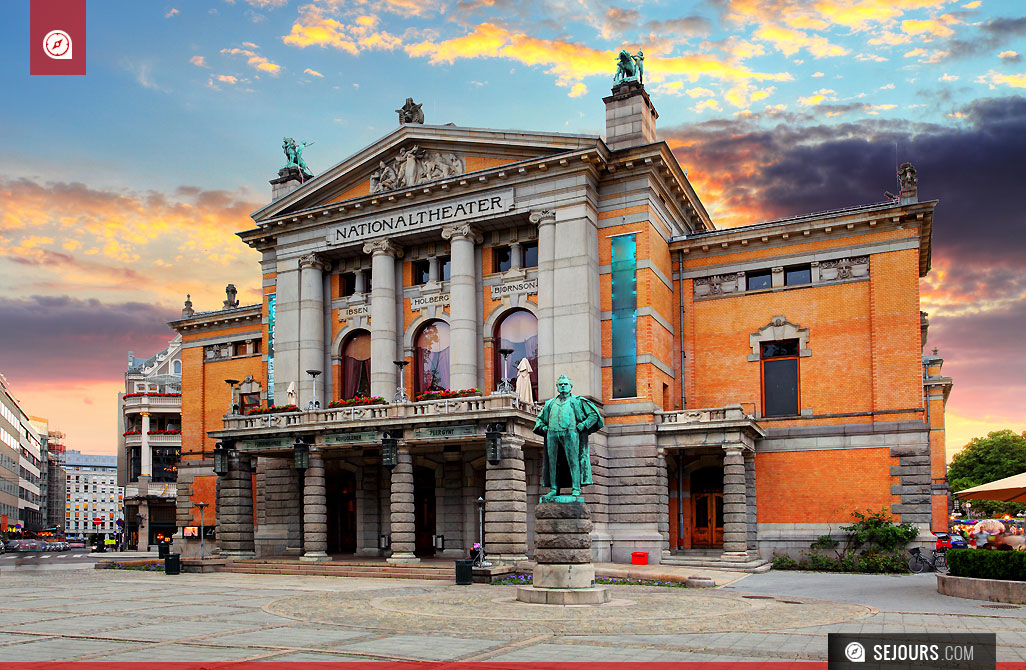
564 574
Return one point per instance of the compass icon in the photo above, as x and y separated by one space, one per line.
57 44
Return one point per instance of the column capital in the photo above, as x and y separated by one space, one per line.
313 261
461 230
375 247
542 216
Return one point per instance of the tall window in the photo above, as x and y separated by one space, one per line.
625 316
518 331
356 365
432 357
780 378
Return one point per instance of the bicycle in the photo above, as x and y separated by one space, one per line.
937 561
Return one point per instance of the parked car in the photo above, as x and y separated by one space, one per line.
76 544
946 541
3 547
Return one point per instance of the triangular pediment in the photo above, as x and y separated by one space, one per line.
415 155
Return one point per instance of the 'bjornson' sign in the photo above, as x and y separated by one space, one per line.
404 220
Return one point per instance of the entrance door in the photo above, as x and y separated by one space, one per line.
707 516
341 500
424 510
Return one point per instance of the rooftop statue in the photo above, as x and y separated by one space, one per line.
411 112
566 421
294 154
629 67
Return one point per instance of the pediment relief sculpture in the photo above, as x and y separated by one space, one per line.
413 166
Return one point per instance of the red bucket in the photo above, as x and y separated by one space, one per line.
639 558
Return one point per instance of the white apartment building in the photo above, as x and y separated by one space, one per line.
20 462
94 499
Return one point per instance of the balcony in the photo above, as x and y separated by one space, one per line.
730 424
154 440
153 403
392 416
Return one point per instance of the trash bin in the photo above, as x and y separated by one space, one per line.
173 564
464 572
639 558
163 549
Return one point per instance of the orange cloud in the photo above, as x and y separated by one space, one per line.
254 60
789 41
315 28
995 79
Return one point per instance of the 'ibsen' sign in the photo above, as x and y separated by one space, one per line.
405 220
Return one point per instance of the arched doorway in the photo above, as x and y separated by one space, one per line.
424 510
356 365
517 330
340 496
707 507
432 357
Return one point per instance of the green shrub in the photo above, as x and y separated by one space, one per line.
988 564
783 562
869 562
878 531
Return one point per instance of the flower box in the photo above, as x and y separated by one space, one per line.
446 394
357 402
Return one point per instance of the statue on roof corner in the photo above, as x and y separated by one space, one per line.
411 112
629 67
294 154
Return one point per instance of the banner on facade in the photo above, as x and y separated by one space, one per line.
349 438
445 431
267 443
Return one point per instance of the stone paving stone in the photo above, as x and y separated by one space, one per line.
78 624
162 632
314 657
179 653
191 611
52 649
426 647
9 618
286 636
7 638
254 618
592 654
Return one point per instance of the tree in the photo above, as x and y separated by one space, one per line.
985 459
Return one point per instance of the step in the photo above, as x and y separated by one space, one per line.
303 570
756 565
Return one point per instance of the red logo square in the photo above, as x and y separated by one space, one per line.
57 37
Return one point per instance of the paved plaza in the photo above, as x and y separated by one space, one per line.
104 615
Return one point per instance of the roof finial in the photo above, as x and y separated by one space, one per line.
188 311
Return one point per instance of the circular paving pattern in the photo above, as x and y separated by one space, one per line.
482 609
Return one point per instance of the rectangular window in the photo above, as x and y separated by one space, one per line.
624 269
501 259
421 270
759 279
530 254
444 267
780 378
347 284
798 274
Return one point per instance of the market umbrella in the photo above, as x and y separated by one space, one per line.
1009 489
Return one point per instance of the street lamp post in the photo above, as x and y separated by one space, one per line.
505 386
301 462
314 402
202 506
231 394
480 525
400 389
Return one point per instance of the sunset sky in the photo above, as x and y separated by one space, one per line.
121 191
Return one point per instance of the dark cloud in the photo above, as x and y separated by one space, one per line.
686 26
71 340
993 34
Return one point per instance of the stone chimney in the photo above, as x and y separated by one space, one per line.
630 116
909 184
188 311
288 180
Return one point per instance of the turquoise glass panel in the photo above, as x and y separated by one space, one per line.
625 316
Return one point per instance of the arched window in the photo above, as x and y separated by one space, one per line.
356 365
518 331
178 367
432 357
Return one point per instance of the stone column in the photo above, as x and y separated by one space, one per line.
315 511
663 485
145 453
516 256
360 283
401 510
383 321
463 340
433 269
235 507
506 504
311 329
287 333
370 518
546 221
735 513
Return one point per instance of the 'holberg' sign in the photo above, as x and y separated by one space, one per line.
399 221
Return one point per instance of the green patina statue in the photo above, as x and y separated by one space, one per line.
294 154
629 67
566 421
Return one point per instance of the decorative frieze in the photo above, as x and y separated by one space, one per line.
839 269
413 166
731 282
844 268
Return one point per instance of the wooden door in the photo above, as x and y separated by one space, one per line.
707 519
341 503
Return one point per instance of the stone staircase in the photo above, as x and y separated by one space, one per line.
379 569
713 558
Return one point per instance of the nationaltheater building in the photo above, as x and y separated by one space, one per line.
757 383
